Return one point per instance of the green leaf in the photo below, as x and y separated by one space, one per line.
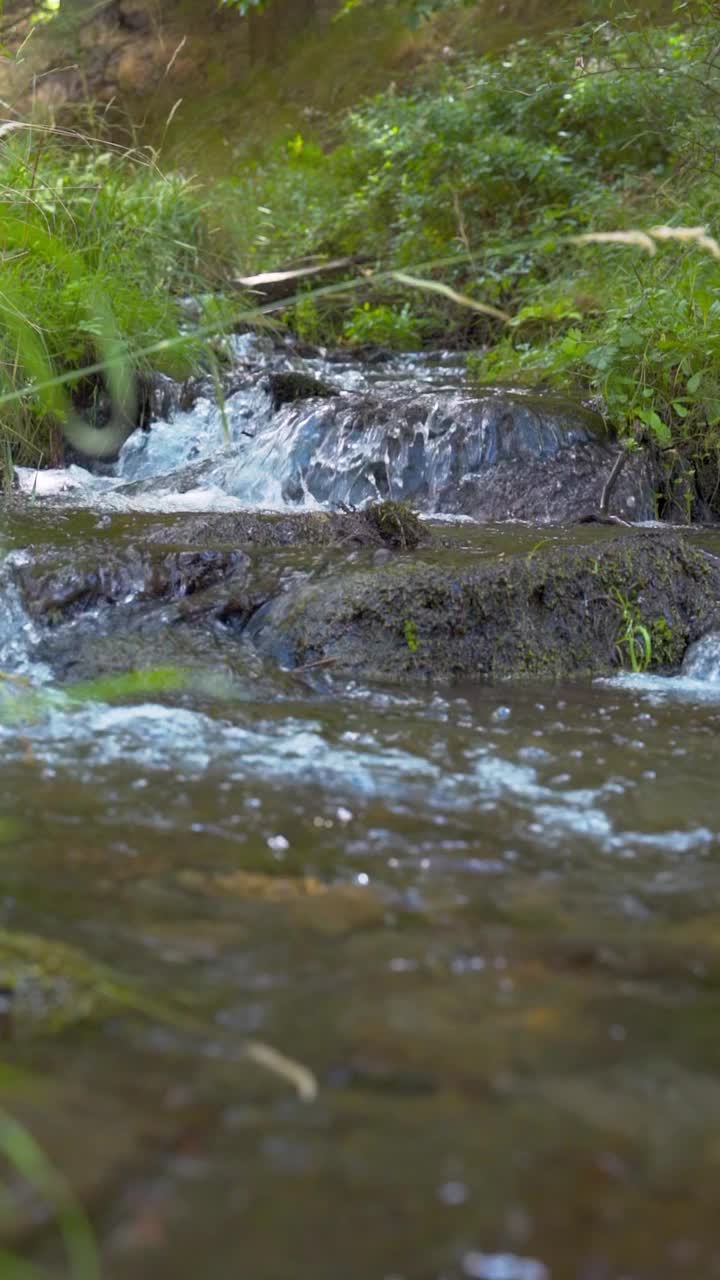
693 383
630 338
660 429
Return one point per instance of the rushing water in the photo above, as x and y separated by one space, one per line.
486 918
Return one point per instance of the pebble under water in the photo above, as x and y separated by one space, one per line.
486 918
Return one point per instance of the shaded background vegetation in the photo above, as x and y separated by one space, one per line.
399 135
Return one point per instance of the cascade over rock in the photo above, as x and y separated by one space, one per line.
313 433
493 455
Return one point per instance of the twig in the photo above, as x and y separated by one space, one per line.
298 1075
310 666
611 481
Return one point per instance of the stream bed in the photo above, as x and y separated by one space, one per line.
484 916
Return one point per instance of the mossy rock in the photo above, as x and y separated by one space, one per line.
397 524
48 986
555 612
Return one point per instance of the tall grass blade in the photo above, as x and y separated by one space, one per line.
25 1155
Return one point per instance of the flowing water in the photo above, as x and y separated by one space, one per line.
486 918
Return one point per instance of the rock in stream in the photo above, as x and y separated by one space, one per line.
320 591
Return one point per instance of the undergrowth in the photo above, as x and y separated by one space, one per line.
98 248
506 160
499 162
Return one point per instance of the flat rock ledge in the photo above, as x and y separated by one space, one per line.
342 594
554 612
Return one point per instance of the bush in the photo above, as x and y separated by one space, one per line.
384 326
499 159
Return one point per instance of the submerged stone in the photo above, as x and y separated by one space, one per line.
328 908
133 574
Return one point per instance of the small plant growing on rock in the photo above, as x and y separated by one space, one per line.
396 522
634 641
411 635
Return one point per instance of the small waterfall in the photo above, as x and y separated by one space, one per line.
433 448
702 660
18 634
405 428
193 435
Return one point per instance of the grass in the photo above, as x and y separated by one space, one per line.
98 249
634 641
23 1154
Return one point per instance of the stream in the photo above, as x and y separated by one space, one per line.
486 917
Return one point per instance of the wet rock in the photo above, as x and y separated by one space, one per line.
493 455
702 660
286 387
161 397
143 595
95 438
130 575
260 529
53 985
552 613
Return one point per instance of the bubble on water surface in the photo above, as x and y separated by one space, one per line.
453 1192
503 1266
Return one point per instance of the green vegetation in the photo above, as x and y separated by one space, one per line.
396 522
504 162
98 248
21 701
22 1153
634 642
411 635
480 177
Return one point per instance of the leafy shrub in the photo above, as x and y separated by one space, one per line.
383 326
500 158
653 354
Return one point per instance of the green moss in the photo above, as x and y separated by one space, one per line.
55 985
396 522
668 643
411 635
